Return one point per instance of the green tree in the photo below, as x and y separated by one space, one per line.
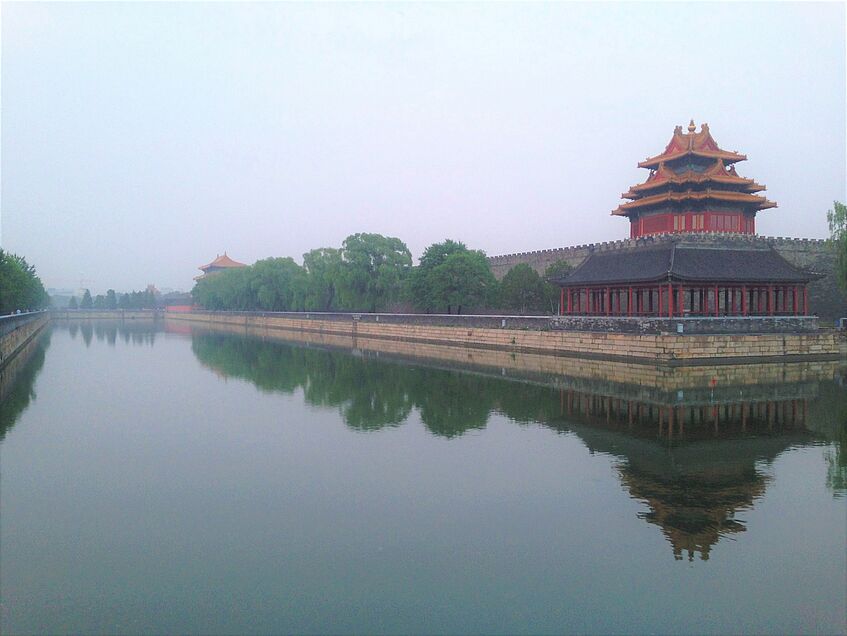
99 301
72 304
111 299
552 291
324 269
375 269
522 289
278 284
837 219
227 290
463 280
86 303
420 290
20 287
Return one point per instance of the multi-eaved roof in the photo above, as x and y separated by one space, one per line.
693 170
699 144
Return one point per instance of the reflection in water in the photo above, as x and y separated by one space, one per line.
694 457
17 380
136 332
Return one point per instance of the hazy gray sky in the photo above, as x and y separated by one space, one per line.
141 139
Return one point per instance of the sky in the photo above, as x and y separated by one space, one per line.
140 140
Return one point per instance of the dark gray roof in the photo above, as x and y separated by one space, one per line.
686 263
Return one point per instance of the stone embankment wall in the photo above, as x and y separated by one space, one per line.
631 380
17 330
652 348
826 298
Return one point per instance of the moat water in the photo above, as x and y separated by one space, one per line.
159 479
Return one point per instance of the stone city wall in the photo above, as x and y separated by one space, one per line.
826 298
653 348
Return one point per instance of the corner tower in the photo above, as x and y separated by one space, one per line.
693 187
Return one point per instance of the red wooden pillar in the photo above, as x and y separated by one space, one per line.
794 295
562 302
743 300
670 300
629 302
805 300
717 302
608 302
770 300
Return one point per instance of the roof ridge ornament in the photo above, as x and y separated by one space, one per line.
691 127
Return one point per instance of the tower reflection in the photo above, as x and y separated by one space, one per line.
692 444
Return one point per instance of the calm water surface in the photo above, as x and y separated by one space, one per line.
158 480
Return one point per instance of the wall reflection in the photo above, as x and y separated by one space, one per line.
17 380
693 444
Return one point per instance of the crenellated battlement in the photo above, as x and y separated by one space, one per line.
774 241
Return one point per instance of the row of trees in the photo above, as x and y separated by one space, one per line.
371 272
111 300
20 287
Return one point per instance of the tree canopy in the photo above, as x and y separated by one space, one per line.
323 276
374 272
837 219
523 290
421 292
462 281
20 287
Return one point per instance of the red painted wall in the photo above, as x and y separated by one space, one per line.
692 222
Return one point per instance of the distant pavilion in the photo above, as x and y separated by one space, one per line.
693 187
221 263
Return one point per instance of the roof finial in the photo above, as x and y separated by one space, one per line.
692 127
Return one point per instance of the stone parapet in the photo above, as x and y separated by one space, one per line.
17 330
688 325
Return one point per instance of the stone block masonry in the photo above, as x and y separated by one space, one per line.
16 331
478 332
826 298
630 380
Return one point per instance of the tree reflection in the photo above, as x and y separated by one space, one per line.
370 394
136 332
17 381
828 417
694 458
452 403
